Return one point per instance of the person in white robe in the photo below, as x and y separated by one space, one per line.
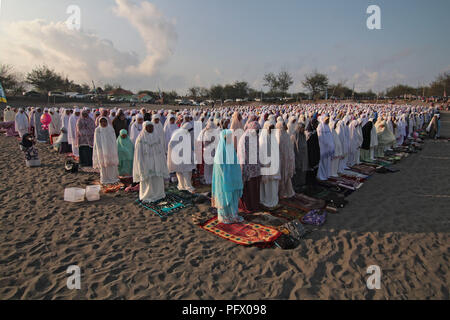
208 140
54 129
72 128
136 128
159 129
21 123
105 155
326 143
338 150
269 180
341 132
9 115
150 166
180 163
287 161
169 128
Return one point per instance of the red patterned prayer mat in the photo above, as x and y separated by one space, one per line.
245 234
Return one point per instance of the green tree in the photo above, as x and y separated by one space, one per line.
11 81
316 83
44 79
284 81
271 81
216 92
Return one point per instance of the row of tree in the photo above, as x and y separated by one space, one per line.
44 79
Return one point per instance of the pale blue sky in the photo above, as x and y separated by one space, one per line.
220 41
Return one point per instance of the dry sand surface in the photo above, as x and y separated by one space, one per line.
399 222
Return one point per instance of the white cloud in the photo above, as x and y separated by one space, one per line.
84 56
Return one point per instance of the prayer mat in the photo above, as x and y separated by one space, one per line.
371 164
89 170
288 213
265 219
346 183
366 170
304 203
245 234
126 180
165 207
185 195
333 199
113 188
351 173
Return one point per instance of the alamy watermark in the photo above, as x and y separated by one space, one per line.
374 20
74 280
74 20
374 281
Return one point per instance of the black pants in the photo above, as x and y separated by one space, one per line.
85 156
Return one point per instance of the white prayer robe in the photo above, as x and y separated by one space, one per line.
21 124
105 155
150 167
71 134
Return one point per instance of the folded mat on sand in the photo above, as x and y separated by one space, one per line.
245 234
303 202
363 169
165 207
333 199
346 183
89 170
266 219
334 187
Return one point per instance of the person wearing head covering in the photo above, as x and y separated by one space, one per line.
120 123
125 150
314 152
248 152
338 150
207 142
227 185
433 127
149 165
136 128
287 161
65 116
103 113
105 154
237 127
177 161
367 136
62 143
269 178
84 139
301 156
169 128
159 129
30 151
355 143
40 134
9 115
21 123
54 128
385 138
72 134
